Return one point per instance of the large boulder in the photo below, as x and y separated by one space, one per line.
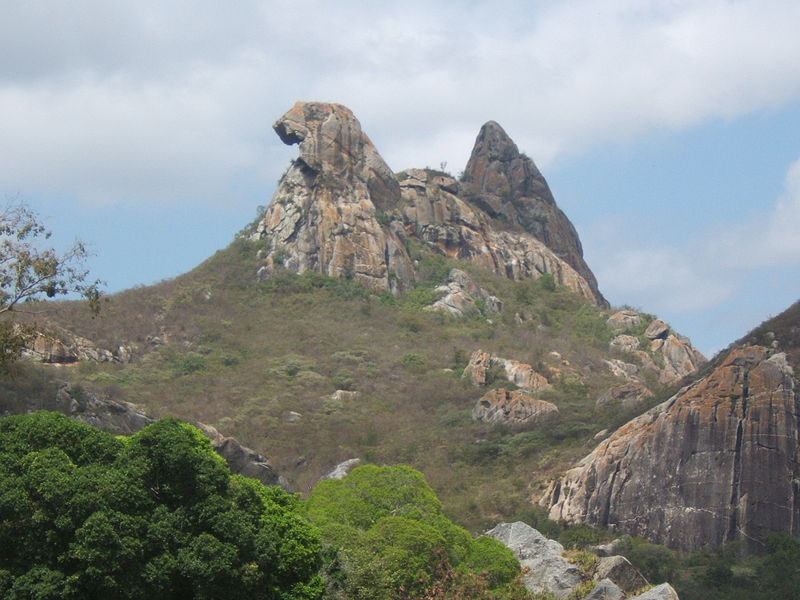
660 592
651 477
606 590
501 406
627 395
619 570
461 296
544 569
523 375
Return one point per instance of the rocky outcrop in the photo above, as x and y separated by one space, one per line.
606 590
660 592
669 356
483 367
507 185
619 570
718 462
59 346
324 214
627 395
339 210
463 297
124 418
341 470
501 406
623 320
544 569
433 214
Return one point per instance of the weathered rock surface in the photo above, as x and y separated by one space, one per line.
623 320
717 462
624 343
59 346
339 210
544 569
606 590
680 358
619 570
657 329
626 395
523 375
661 592
512 408
507 185
462 231
461 296
241 459
341 470
323 216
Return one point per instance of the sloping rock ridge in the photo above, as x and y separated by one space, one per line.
718 462
339 210
512 407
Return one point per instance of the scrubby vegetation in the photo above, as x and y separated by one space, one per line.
218 346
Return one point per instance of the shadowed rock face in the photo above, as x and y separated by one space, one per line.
507 185
717 462
339 210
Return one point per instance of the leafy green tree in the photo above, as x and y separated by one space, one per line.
390 539
30 271
84 515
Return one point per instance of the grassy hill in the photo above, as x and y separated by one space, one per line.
218 346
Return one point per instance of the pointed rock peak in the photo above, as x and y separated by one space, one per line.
507 185
494 143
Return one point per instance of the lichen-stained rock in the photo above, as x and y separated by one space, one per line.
59 346
521 374
323 216
680 358
624 343
544 570
657 329
448 224
507 185
626 395
717 462
619 570
501 406
461 296
623 320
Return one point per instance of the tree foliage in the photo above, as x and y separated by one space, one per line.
30 271
390 539
86 515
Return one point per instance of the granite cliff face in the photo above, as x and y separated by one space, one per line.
339 210
508 186
717 462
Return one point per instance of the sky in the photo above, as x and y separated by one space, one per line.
668 130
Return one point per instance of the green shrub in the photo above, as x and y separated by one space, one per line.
415 363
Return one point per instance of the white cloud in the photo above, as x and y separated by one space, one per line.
705 274
174 100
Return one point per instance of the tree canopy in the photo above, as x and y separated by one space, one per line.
86 515
392 540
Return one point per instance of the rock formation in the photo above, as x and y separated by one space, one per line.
324 215
461 297
512 408
544 569
480 365
339 210
627 395
717 462
507 186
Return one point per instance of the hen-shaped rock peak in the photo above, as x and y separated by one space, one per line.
339 210
716 463
508 186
